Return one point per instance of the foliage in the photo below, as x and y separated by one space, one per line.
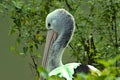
28 25
96 40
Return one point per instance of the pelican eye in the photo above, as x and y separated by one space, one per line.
49 24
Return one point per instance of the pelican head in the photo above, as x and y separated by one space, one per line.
60 24
59 20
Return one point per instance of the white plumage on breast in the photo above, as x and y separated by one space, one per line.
65 71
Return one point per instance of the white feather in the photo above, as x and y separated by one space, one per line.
95 70
65 71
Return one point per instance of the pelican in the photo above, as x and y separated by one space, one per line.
61 25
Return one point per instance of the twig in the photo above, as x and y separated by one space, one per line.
35 65
115 28
68 5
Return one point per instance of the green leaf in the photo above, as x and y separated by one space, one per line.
12 48
43 72
25 49
17 4
36 46
56 78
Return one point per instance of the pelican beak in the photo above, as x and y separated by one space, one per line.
51 37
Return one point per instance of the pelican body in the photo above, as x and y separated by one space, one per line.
61 25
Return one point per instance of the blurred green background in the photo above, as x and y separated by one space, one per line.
12 67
